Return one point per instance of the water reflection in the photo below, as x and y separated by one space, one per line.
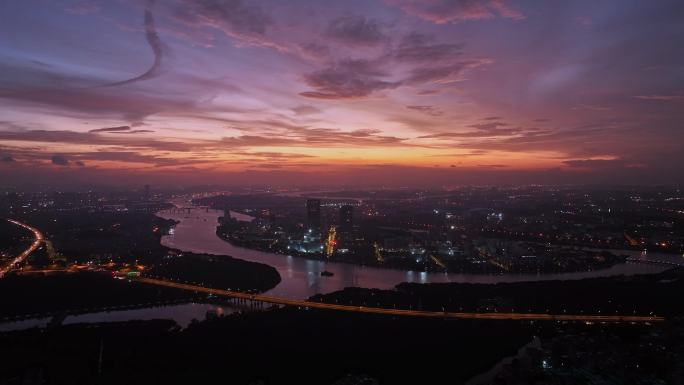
183 314
24 324
301 277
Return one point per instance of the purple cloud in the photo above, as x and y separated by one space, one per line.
454 11
347 80
60 160
158 48
600 164
325 137
244 22
421 48
422 59
305 110
356 31
427 110
660 98
111 129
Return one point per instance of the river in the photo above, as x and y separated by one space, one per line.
183 314
196 232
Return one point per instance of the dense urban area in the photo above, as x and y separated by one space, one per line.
368 192
74 254
478 230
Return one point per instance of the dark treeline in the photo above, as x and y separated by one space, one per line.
286 346
30 295
76 292
642 295
221 272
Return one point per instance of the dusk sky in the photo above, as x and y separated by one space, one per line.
395 92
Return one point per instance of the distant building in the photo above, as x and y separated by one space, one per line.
346 218
313 215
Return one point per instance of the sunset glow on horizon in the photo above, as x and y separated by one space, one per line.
398 92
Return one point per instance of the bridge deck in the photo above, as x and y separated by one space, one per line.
403 312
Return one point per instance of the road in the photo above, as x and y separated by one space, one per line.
39 238
21 257
400 312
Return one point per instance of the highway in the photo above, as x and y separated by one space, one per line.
21 257
400 312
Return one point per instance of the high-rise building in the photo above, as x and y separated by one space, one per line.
146 193
313 215
346 218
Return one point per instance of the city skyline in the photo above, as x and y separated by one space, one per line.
395 92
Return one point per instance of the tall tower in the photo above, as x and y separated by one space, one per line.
330 242
346 218
313 215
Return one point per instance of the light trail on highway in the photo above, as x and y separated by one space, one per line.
403 312
21 257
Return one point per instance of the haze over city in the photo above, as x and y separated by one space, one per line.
395 92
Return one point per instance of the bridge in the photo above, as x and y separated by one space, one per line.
261 299
257 298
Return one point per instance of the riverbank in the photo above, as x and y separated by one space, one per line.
239 349
68 293
301 278
72 293
217 272
651 294
593 260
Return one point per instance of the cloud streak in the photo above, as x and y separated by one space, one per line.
156 45
356 31
111 129
415 60
119 130
347 80
427 110
60 160
456 11
660 98
247 23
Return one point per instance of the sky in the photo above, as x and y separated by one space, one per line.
349 93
